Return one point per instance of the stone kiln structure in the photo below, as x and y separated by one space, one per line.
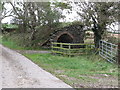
69 34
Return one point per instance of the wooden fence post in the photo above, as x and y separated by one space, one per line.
118 64
111 50
61 46
119 54
52 46
99 47
69 50
86 49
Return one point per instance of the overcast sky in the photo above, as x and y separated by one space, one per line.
69 17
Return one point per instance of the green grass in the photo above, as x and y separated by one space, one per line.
74 67
0 38
10 44
13 42
13 45
70 69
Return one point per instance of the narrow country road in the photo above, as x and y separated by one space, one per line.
19 72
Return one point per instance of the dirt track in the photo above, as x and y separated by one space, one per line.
20 72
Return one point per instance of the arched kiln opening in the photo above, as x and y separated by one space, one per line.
65 38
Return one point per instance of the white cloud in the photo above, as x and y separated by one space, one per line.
7 19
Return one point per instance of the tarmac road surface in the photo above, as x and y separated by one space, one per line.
19 72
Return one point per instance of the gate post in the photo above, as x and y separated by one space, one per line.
69 50
118 53
52 47
118 65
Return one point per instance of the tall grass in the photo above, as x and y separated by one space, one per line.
8 42
85 64
18 42
75 69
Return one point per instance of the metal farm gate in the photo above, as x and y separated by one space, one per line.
108 51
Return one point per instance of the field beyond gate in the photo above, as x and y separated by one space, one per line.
72 49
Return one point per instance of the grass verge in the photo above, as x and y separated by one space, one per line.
84 69
14 42
10 44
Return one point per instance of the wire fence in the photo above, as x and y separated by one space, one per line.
108 51
72 49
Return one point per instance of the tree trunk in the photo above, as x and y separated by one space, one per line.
24 27
33 35
97 38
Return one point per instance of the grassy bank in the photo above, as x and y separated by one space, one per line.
6 41
76 71
16 41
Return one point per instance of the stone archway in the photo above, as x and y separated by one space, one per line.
65 38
